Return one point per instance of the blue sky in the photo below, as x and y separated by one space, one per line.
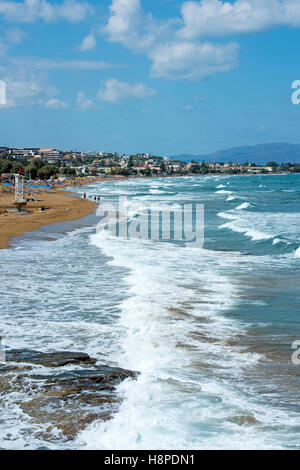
160 76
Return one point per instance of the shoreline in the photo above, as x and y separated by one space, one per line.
64 206
61 207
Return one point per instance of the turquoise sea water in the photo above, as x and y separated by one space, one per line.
210 330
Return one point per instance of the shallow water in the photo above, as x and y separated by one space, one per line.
210 329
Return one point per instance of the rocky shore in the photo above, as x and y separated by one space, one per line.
61 391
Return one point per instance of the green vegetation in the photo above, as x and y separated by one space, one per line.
35 168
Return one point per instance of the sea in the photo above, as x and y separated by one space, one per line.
212 329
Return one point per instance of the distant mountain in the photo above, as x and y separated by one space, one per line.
260 154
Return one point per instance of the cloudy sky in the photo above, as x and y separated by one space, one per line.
160 76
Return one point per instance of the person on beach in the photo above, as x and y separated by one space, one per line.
98 198
95 198
84 195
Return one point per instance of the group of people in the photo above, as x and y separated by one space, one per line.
96 198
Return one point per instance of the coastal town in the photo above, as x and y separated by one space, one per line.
51 163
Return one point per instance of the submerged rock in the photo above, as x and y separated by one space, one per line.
61 399
244 420
55 359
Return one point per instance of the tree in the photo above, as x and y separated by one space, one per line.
5 166
16 167
69 171
163 167
286 166
130 163
31 170
44 172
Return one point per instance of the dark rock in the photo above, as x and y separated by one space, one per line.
244 420
55 359
61 399
103 375
71 400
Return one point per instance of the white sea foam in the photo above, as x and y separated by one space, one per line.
161 342
156 191
262 225
297 253
245 205
255 235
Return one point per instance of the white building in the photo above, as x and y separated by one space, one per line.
51 155
24 152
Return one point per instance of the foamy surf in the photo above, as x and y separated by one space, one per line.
157 344
175 402
243 206
209 330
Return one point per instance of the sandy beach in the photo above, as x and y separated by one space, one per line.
60 206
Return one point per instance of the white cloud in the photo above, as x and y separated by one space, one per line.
11 36
172 57
189 107
124 24
116 91
131 26
216 17
88 43
201 97
47 64
191 61
73 10
24 93
28 11
15 35
27 81
24 86
55 103
20 93
83 103
173 44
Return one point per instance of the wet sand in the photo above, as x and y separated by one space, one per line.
61 206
